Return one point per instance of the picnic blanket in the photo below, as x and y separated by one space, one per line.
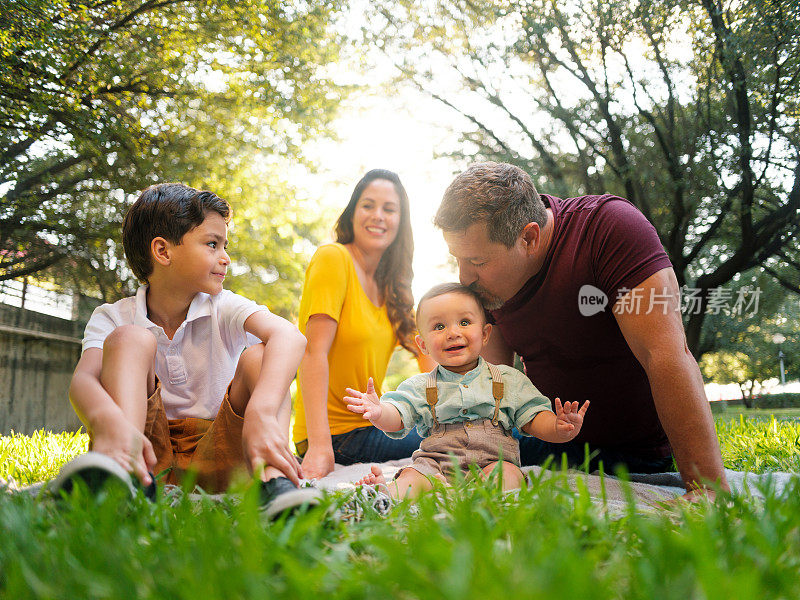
610 493
646 490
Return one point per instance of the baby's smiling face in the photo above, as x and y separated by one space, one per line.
453 330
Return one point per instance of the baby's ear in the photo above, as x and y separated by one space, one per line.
421 343
487 332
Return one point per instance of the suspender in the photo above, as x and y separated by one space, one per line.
432 394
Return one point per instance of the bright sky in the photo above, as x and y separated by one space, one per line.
399 133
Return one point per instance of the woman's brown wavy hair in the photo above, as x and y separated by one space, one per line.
394 273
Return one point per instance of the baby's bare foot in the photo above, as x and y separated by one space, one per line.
375 477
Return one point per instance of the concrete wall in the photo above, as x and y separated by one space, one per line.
38 354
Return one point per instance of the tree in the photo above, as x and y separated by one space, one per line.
687 108
740 344
274 232
99 99
733 367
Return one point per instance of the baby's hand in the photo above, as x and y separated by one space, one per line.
367 403
569 419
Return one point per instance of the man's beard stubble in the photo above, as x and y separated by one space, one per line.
489 300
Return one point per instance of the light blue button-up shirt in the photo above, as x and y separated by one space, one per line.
466 397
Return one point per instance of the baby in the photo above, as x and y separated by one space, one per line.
466 407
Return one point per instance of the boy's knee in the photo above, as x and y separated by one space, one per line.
131 336
250 359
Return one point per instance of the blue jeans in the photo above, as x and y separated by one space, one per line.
370 444
534 451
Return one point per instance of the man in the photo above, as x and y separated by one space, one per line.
582 290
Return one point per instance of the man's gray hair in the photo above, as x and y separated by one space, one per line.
499 194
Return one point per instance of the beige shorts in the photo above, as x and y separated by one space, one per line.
476 443
212 448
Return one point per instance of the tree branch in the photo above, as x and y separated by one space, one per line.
147 6
23 185
38 265
789 285
734 70
632 190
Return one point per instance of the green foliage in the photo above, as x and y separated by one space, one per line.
687 109
785 400
759 445
401 366
740 348
469 541
274 232
100 99
38 457
729 367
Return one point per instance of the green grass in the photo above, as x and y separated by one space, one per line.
38 457
468 542
759 444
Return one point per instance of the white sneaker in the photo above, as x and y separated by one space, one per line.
94 469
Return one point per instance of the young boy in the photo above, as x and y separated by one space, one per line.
187 375
466 406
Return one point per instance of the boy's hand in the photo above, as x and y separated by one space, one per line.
568 419
115 436
264 444
367 403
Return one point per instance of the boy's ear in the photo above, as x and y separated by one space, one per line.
487 331
421 343
160 250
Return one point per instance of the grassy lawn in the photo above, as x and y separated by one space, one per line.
468 542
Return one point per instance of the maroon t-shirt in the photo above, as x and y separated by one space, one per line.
605 242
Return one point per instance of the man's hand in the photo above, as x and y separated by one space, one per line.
115 436
264 444
698 495
569 419
318 462
367 403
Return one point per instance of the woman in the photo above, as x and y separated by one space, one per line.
356 307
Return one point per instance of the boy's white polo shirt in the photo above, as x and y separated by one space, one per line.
197 364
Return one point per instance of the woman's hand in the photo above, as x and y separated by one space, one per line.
318 461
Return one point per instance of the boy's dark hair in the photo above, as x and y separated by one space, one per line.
501 195
450 288
165 210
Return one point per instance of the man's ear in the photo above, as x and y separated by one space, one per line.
531 236
160 250
421 344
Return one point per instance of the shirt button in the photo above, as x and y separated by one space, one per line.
464 411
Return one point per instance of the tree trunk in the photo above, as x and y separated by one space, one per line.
747 397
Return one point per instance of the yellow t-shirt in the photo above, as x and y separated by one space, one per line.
364 339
